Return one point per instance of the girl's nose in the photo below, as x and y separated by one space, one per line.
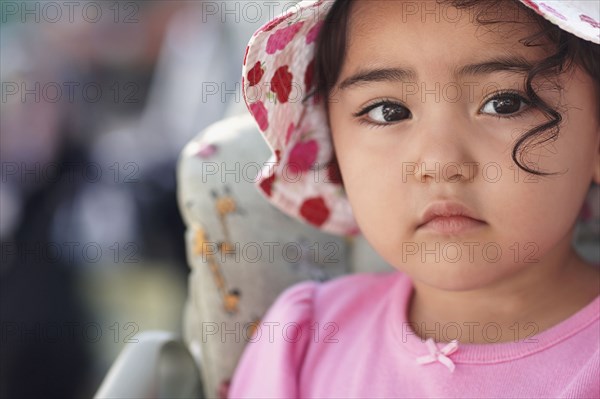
444 153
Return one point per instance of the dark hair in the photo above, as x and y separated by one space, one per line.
570 51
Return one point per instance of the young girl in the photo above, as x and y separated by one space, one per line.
460 138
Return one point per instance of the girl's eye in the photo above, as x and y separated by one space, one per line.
384 113
505 105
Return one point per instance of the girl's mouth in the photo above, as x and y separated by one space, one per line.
448 217
451 224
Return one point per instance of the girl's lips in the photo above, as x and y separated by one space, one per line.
451 224
449 217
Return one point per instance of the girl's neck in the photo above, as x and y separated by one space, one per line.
529 302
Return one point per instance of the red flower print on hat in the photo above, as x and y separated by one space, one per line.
315 211
281 37
259 112
255 74
303 156
267 185
281 84
246 55
206 150
532 5
552 11
333 172
313 33
589 20
269 26
289 133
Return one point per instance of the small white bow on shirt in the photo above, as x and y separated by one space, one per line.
440 355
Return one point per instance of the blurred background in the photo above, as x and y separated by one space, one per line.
98 100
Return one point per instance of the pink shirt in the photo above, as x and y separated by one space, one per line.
349 338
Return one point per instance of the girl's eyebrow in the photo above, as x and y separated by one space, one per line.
514 64
365 76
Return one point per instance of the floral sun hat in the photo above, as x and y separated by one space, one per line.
301 178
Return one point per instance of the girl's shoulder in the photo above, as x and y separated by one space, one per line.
346 286
361 286
311 300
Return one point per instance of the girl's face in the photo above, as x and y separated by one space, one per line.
422 114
